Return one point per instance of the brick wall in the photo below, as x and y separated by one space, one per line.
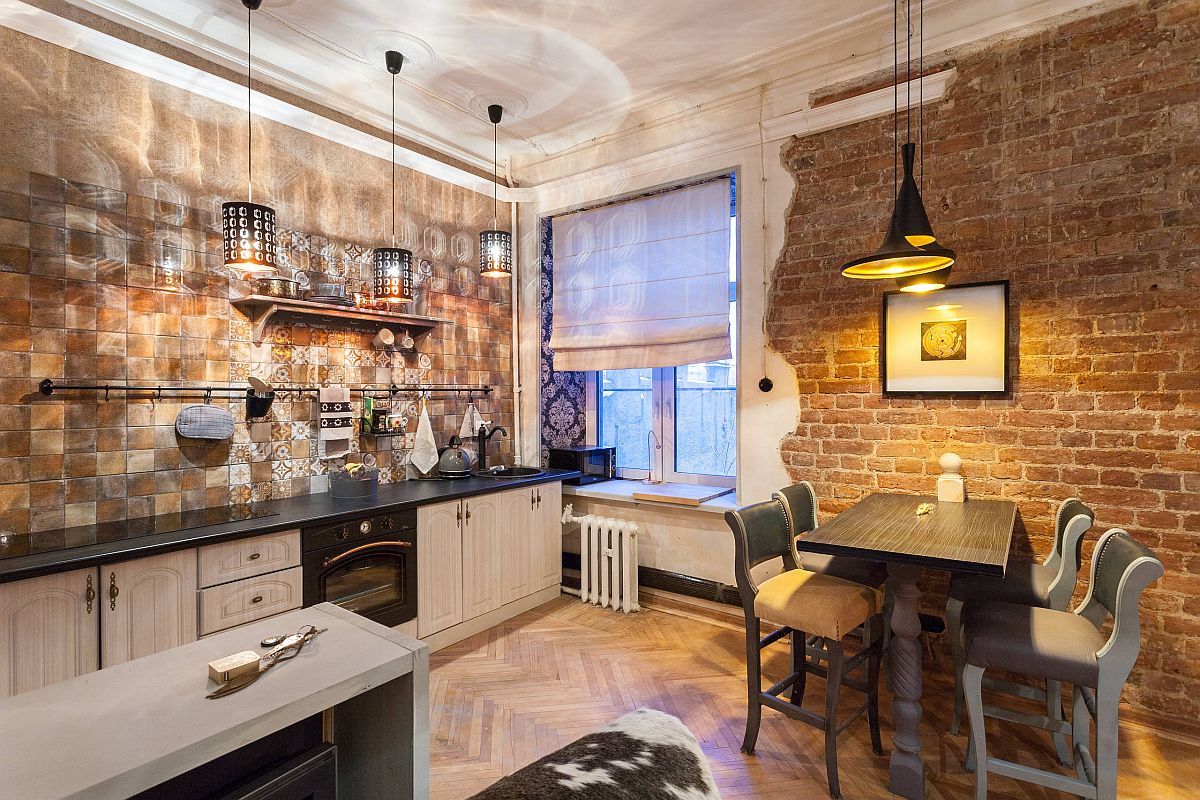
105 186
1067 162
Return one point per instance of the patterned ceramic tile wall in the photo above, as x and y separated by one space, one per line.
99 286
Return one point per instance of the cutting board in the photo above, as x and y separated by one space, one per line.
684 494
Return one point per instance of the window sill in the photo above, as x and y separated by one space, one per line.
622 491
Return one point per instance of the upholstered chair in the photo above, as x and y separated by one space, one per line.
799 503
1046 585
803 603
1064 647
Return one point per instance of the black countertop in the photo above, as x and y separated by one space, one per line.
27 555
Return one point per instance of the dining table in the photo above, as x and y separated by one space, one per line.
911 534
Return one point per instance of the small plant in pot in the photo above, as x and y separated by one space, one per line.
353 482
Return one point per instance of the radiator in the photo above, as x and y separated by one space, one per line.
608 561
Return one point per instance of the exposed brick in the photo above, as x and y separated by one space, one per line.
1064 162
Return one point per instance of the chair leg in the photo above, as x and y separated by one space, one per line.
1054 711
954 630
1106 742
832 692
1081 730
973 694
799 666
753 685
874 626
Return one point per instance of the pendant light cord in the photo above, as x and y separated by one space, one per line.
895 98
392 143
921 94
496 175
249 118
908 70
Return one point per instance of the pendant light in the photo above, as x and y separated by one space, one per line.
495 246
909 250
248 228
393 265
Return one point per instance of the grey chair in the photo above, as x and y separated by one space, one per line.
799 503
1046 585
801 603
1065 647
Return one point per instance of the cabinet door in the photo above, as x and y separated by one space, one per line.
149 605
519 534
547 536
439 567
49 630
482 554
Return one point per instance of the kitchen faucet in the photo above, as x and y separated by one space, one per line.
481 439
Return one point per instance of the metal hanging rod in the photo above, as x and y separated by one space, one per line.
49 387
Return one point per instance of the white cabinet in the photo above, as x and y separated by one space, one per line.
518 533
49 630
483 549
439 567
250 599
547 529
148 605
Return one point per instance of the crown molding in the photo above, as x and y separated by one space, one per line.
82 39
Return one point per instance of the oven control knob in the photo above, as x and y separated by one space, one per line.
342 534
389 523
364 526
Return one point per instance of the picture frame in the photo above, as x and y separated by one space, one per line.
950 342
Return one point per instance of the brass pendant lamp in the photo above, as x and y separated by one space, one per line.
248 228
393 273
910 251
495 246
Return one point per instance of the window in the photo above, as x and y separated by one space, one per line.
682 421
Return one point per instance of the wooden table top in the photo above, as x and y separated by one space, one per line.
960 537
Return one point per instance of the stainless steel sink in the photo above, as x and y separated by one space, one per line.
511 472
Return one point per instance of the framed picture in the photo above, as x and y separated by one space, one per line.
952 341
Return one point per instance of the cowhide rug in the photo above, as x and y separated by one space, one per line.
644 755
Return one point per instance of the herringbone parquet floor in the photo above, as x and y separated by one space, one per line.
512 694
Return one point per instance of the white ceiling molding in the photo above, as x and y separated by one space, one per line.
51 28
805 122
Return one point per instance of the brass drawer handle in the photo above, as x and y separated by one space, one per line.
258 598
255 556
90 594
113 591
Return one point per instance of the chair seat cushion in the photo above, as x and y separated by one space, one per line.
823 605
1024 582
1038 642
858 570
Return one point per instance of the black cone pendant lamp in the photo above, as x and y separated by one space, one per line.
393 275
495 247
248 228
910 252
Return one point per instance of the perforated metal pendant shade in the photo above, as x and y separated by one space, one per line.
495 254
393 275
248 236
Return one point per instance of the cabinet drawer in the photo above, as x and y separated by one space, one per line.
243 558
252 598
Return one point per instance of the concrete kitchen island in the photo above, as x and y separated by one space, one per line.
129 728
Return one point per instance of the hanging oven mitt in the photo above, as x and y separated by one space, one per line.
204 422
424 453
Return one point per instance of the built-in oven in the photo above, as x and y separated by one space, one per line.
367 565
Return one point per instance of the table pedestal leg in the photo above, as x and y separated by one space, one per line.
906 775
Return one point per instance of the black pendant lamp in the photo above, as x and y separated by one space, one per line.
910 252
393 265
248 228
495 246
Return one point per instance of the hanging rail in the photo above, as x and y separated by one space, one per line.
49 387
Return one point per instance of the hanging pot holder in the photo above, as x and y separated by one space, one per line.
204 422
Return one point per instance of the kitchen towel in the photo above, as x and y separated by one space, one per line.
336 422
424 454
472 419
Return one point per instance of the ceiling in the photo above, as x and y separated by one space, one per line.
567 71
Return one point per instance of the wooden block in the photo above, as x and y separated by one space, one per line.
229 667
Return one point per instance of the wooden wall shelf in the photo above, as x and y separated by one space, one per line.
262 309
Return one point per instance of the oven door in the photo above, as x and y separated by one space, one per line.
375 578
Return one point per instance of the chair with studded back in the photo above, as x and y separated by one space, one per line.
1066 647
1046 585
801 602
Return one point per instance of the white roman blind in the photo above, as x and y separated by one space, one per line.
643 283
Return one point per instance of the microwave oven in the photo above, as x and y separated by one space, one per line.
595 463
